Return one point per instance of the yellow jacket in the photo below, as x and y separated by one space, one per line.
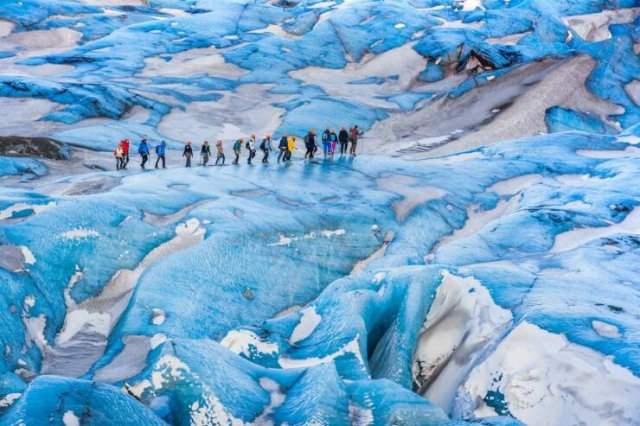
292 143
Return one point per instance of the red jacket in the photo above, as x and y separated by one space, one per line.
125 147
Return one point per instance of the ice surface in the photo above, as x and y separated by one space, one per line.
181 61
492 286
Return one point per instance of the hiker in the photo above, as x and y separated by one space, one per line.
310 144
283 146
266 148
343 138
251 147
291 146
219 153
117 153
125 153
326 142
143 150
354 134
205 153
237 146
334 142
188 154
160 154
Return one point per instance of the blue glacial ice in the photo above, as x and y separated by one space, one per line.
109 70
495 285
374 290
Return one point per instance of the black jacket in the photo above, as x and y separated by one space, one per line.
284 144
343 137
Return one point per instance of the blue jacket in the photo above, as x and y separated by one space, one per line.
160 149
143 148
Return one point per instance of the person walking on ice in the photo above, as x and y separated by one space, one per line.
326 142
251 147
266 148
334 142
237 146
143 150
219 153
160 154
188 154
291 146
310 144
205 153
125 153
118 154
354 134
283 146
343 138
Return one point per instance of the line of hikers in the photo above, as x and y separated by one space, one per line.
286 146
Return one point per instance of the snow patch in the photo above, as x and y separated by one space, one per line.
79 319
546 380
578 237
18 207
28 256
9 399
308 323
605 329
158 316
243 341
463 320
70 419
353 348
157 340
80 233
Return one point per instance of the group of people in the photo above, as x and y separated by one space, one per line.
347 139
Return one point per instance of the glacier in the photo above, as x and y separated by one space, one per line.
476 264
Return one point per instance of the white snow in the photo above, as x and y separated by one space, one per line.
158 316
514 185
605 329
15 208
29 258
80 319
629 152
157 340
276 399
70 419
79 233
580 236
35 330
353 347
336 233
241 341
9 399
470 5
284 240
308 322
463 320
546 380
29 301
6 27
208 411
